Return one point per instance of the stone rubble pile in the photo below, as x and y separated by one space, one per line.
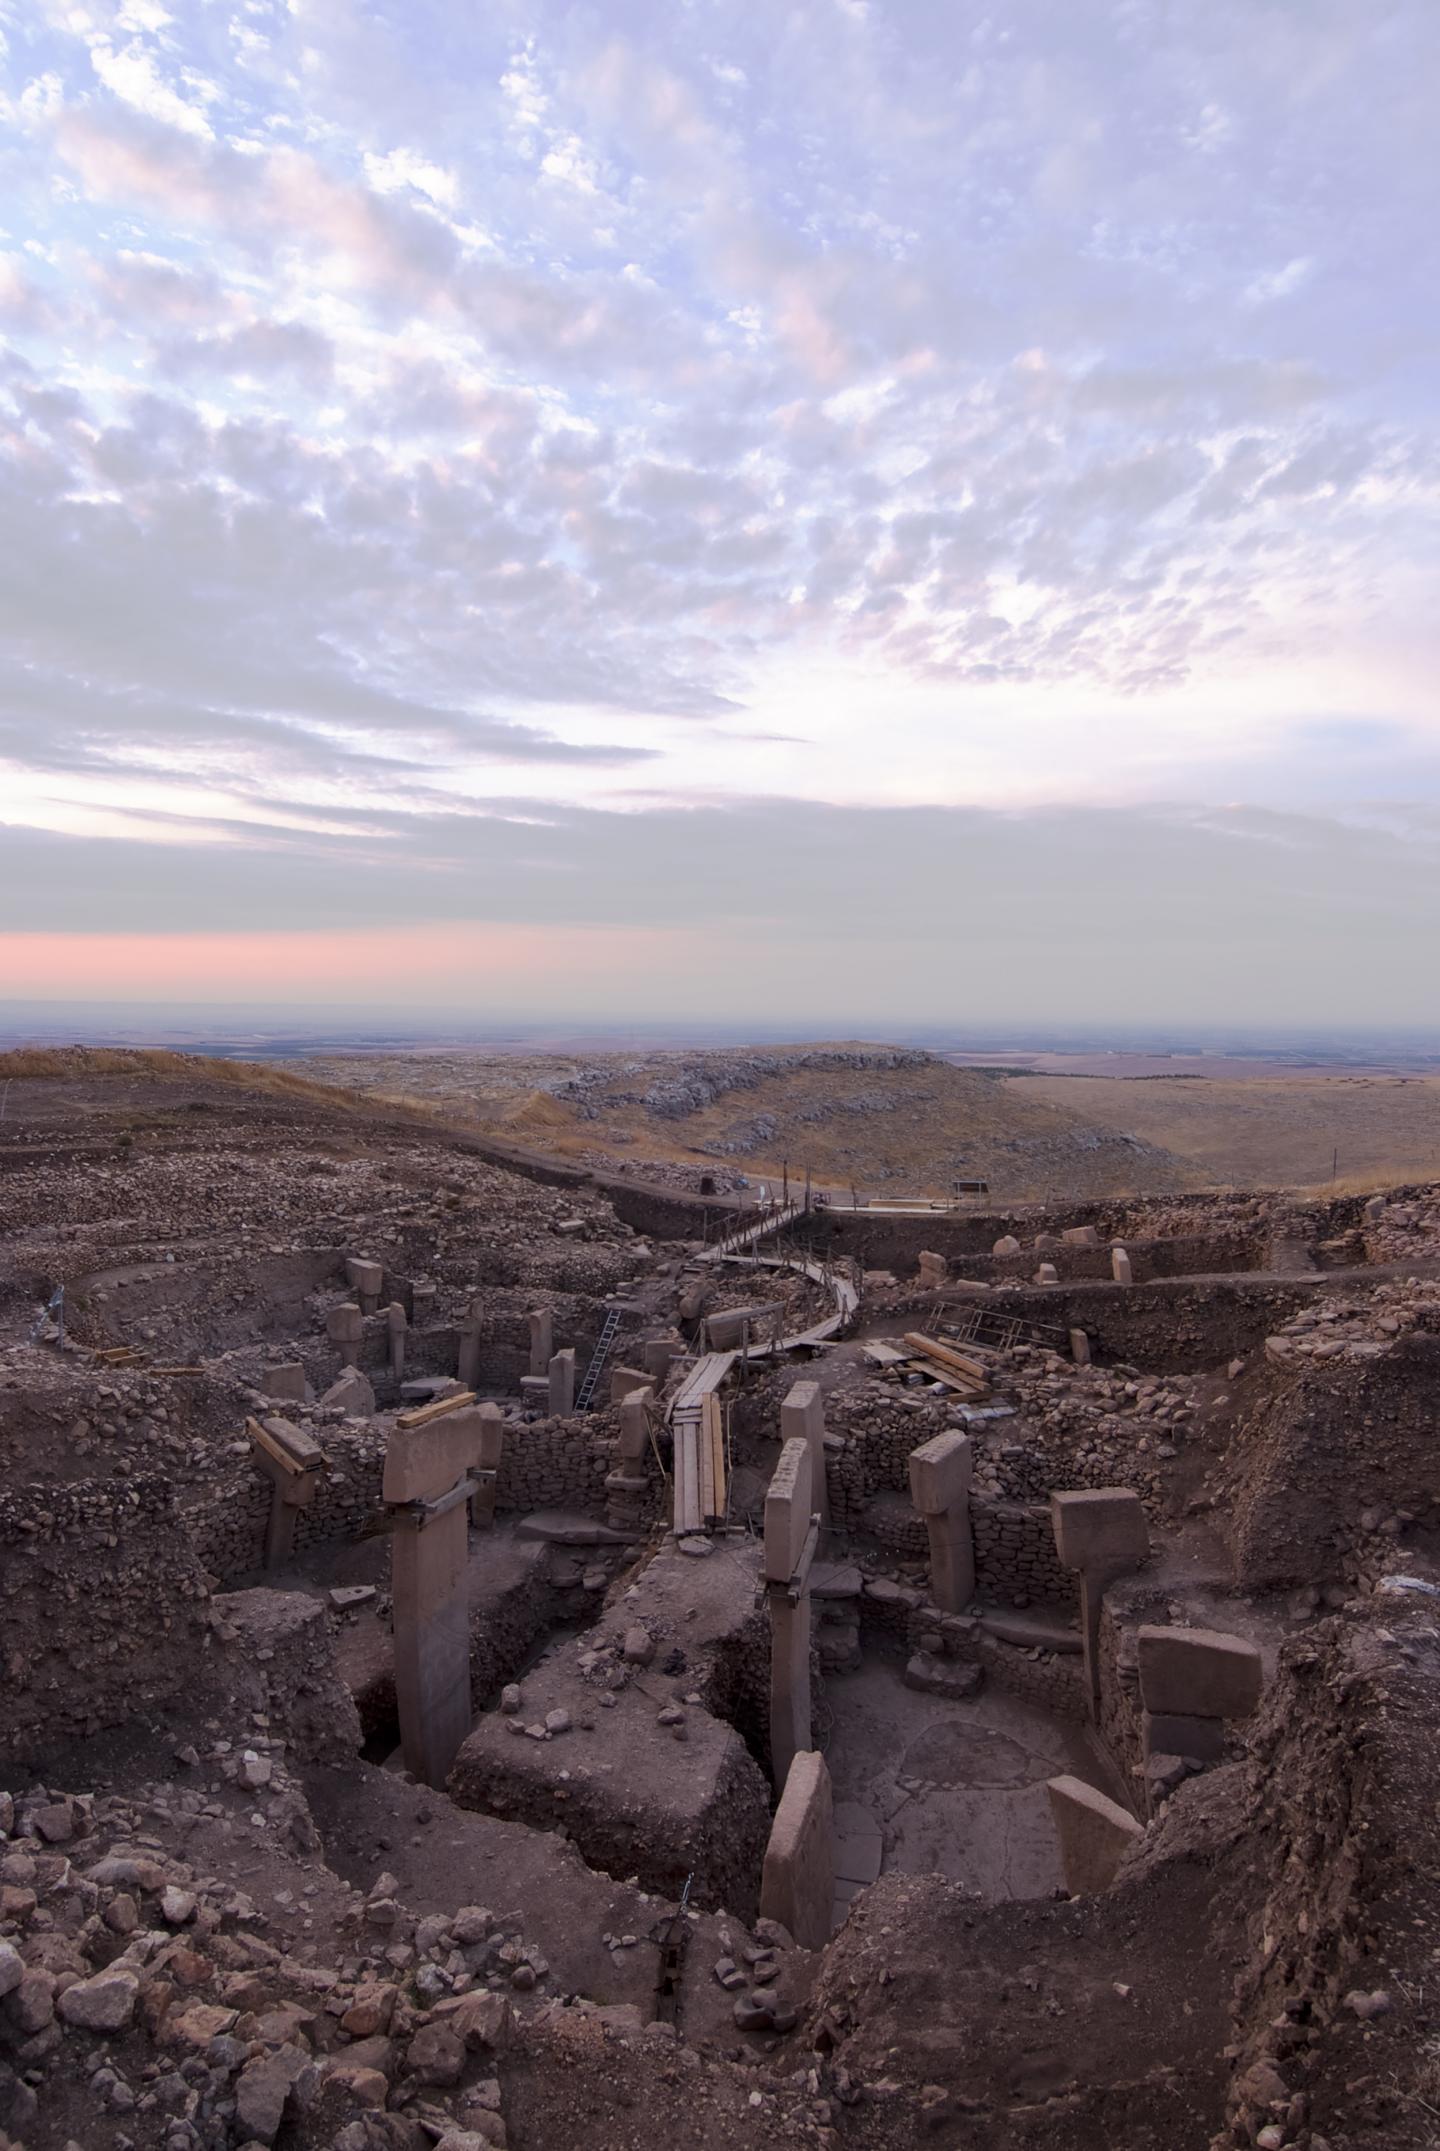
1083 1426
1358 1326
1070 1426
153 1989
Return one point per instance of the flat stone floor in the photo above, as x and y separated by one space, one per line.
927 1786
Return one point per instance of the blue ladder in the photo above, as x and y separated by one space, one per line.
597 1362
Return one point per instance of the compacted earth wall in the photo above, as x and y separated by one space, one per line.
1330 1443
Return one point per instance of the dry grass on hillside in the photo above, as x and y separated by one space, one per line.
1269 1132
88 1064
908 1129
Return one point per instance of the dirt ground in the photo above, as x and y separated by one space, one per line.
953 1788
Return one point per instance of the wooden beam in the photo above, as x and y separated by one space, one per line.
422 1415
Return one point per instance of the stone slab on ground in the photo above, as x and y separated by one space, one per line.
1031 1631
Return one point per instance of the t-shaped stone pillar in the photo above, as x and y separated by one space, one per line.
790 1538
366 1279
395 1327
628 1485
658 1353
427 1481
1100 1534
1120 1266
561 1370
467 1362
797 1887
1191 1681
486 1425
345 1327
489 1453
293 1462
635 1424
802 1417
624 1381
1095 1833
542 1339
940 1473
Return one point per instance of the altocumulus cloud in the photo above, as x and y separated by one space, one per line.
403 415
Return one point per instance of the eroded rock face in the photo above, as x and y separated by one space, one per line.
700 1083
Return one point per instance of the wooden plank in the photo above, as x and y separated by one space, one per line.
682 1475
707 1374
706 1457
960 1383
422 1414
946 1354
715 1432
687 1448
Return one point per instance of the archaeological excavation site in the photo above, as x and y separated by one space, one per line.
499 1653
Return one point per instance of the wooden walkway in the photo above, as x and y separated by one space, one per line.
694 1412
735 1243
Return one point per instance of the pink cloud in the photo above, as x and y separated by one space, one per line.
417 964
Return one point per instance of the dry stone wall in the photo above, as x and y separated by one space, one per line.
880 1428
226 1522
1015 1558
281 1648
103 1610
1177 1326
556 1463
903 1615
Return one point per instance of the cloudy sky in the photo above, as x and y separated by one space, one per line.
873 509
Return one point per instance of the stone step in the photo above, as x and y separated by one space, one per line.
835 1579
560 1529
1030 1631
